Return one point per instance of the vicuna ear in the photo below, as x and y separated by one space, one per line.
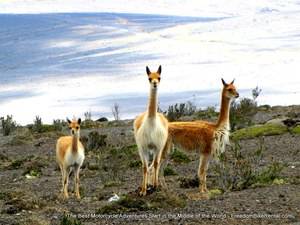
69 121
232 81
159 70
148 71
79 121
224 83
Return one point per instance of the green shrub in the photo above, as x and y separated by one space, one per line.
58 124
180 157
102 119
114 161
241 113
135 164
95 141
237 170
8 125
175 112
169 171
16 164
33 169
65 220
207 114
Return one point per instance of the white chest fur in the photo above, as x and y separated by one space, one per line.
152 135
74 159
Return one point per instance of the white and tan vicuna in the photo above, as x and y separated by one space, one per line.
70 156
207 139
151 131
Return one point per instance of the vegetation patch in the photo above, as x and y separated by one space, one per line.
33 169
16 164
8 125
189 183
135 164
215 192
268 129
65 220
180 157
114 161
295 130
237 170
18 200
169 171
93 166
95 141
132 202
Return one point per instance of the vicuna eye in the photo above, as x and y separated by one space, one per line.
230 89
77 128
158 79
150 79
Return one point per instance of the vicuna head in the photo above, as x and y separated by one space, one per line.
230 90
154 78
74 126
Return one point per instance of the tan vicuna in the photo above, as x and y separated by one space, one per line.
151 131
208 139
70 156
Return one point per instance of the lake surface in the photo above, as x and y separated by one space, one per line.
58 65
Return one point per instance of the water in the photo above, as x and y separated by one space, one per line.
59 65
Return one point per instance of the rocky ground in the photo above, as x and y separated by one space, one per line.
30 184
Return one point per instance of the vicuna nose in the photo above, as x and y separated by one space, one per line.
73 132
237 95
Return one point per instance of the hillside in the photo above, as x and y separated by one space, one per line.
257 180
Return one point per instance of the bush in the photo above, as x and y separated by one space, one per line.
237 170
102 119
241 113
207 114
38 125
8 125
114 161
169 171
95 141
175 112
58 124
180 157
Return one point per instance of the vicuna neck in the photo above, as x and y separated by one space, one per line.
152 107
75 139
223 120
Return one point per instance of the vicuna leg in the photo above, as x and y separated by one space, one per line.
66 174
164 160
156 168
145 160
62 178
151 174
76 175
204 160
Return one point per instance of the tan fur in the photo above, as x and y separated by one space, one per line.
151 131
70 155
208 139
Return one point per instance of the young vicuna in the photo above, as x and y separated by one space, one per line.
70 155
151 131
208 139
